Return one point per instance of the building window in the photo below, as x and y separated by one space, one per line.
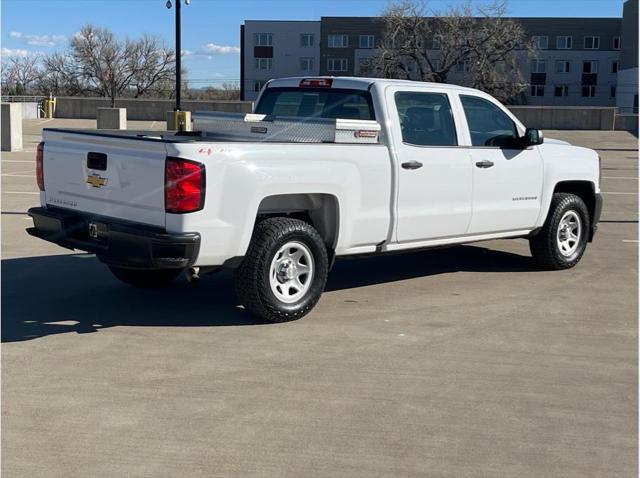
538 66
366 41
338 41
614 67
591 43
537 90
264 63
262 39
541 42
462 67
364 65
436 44
564 43
616 43
561 90
306 40
589 91
337 64
590 67
563 66
306 64
258 84
612 92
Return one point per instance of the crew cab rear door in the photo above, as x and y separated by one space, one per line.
108 175
434 172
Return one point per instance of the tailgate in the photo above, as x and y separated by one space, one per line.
120 177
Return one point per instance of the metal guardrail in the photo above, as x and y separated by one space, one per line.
22 99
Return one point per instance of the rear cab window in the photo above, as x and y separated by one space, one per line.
317 103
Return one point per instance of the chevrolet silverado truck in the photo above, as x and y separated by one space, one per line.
324 167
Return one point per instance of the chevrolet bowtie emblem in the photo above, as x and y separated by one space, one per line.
96 180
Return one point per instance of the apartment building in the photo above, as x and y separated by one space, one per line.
627 95
274 49
577 63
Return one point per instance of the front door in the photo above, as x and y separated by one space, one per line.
507 181
434 173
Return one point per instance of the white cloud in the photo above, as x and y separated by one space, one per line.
186 53
213 49
39 40
45 40
6 52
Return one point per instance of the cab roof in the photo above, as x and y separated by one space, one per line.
360 83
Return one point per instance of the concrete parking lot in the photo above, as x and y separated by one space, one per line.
456 362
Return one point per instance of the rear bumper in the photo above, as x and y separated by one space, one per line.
597 211
115 242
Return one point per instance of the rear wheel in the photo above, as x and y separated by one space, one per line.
284 272
143 278
562 240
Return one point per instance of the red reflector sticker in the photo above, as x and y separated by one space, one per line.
363 133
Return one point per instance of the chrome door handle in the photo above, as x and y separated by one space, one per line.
484 164
412 165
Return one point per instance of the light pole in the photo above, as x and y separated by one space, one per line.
178 48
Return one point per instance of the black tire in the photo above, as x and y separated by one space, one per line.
252 277
146 279
544 245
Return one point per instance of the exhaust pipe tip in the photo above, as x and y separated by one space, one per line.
193 275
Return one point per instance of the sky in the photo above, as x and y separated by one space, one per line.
211 28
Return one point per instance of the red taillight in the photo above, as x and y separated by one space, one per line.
184 187
39 166
316 83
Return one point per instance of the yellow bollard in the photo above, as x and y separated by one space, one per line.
183 120
49 108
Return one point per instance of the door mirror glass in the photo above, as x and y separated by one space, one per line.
533 137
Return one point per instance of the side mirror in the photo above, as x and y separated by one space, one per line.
532 137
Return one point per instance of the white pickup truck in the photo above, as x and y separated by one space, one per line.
324 167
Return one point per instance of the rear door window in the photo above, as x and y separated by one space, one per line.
426 119
317 103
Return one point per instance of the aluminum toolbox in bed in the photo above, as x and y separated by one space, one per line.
257 127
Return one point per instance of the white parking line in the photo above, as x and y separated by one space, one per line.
19 175
18 192
630 240
17 161
606 192
635 178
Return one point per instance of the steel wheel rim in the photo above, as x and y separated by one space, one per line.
569 233
291 272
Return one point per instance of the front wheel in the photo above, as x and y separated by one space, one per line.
562 240
283 274
147 279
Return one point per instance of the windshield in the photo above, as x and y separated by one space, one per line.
317 103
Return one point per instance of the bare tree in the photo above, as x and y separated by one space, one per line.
478 45
100 64
20 74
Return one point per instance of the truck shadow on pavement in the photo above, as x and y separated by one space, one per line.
51 295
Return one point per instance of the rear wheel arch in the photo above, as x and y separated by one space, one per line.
321 210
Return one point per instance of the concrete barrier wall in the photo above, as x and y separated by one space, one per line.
627 123
543 117
144 110
565 117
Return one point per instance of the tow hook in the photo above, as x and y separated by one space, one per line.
193 275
